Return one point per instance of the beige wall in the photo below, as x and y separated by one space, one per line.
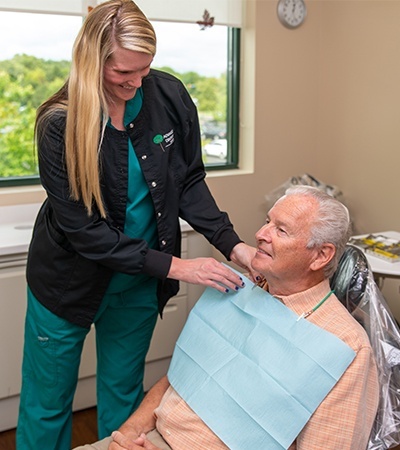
327 102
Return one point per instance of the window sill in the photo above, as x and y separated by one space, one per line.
228 173
21 195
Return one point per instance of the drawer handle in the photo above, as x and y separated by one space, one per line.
171 308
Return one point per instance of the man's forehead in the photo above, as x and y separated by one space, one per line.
294 211
299 203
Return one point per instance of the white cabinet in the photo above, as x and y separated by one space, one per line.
12 316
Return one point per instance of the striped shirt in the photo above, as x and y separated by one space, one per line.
343 420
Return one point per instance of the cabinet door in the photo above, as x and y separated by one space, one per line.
12 320
168 329
174 317
12 317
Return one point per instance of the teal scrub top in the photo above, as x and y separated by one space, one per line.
140 222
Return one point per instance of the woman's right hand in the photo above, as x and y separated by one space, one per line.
205 271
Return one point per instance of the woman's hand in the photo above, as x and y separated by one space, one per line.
242 255
205 271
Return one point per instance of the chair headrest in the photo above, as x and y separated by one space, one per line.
351 276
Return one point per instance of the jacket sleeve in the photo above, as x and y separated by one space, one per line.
197 205
72 228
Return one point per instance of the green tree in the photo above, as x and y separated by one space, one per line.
26 81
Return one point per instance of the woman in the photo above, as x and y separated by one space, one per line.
120 160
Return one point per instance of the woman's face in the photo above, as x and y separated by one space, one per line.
123 74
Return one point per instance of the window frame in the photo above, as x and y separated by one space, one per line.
233 108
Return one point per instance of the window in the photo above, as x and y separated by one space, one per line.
206 61
35 63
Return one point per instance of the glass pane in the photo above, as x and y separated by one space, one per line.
35 62
33 65
199 58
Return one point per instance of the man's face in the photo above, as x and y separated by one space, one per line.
282 254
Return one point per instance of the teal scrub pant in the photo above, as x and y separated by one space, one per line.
52 351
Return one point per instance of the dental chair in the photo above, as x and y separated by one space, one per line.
354 285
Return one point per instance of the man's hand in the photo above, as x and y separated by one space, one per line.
125 438
130 435
126 443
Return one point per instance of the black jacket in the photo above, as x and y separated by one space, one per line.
72 256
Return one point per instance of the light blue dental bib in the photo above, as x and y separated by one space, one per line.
253 372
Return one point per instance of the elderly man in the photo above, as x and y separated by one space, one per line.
298 249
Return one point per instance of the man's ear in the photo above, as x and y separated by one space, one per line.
323 256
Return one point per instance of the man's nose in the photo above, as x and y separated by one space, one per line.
264 233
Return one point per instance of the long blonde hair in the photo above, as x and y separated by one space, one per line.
113 23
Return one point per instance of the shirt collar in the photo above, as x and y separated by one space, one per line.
306 300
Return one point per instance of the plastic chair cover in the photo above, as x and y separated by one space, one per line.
355 287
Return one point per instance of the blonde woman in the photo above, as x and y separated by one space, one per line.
120 160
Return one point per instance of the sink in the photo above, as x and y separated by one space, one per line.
16 225
23 227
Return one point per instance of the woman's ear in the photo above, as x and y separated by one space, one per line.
324 255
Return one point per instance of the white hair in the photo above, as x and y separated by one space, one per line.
332 224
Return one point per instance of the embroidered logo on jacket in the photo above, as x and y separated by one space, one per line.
165 140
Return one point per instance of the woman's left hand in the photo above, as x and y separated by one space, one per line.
242 255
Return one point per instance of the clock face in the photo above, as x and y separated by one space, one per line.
292 12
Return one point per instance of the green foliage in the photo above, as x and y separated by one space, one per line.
27 81
209 93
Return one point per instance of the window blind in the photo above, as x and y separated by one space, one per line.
224 12
72 7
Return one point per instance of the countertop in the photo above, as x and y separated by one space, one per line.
16 224
380 266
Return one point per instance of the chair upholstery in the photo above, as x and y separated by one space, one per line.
351 277
354 285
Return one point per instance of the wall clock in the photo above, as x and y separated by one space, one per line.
292 13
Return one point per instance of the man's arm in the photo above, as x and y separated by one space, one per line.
344 419
143 419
